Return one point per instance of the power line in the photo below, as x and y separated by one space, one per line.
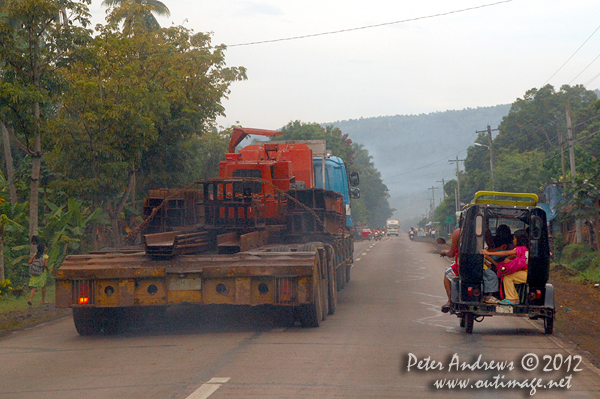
369 26
576 51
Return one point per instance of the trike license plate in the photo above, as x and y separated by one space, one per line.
504 309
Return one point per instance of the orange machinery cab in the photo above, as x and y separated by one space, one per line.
278 165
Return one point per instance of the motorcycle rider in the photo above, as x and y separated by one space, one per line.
411 234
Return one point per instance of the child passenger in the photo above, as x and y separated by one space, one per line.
514 268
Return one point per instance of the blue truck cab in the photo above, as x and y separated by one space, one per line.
336 179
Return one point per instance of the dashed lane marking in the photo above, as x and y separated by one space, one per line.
207 389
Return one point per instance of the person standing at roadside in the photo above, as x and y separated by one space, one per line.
38 272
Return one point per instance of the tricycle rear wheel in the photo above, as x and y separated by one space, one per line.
549 324
469 318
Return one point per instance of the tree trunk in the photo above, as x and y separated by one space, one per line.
10 170
36 162
2 277
116 211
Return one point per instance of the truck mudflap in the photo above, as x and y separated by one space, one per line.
248 278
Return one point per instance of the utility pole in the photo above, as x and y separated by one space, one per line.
443 191
491 148
578 235
432 212
457 181
561 144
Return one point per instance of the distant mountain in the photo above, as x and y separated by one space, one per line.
412 152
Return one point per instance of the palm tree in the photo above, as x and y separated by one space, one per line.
136 14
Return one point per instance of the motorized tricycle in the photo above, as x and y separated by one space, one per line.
479 221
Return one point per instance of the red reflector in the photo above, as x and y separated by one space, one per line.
285 290
538 294
470 290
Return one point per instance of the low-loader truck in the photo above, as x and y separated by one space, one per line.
272 230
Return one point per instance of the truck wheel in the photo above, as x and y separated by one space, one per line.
340 275
469 319
348 267
88 321
322 274
310 315
331 284
549 324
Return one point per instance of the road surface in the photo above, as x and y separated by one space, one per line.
387 339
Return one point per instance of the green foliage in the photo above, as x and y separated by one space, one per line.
592 273
137 15
572 252
159 92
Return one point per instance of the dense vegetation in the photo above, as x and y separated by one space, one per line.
112 113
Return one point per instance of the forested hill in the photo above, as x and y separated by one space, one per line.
412 151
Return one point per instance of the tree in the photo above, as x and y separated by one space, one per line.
339 143
35 44
374 193
132 104
137 15
581 200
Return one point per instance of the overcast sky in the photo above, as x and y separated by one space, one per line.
479 57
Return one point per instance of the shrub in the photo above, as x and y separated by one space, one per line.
584 262
5 287
572 252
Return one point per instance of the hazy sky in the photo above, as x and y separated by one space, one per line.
479 57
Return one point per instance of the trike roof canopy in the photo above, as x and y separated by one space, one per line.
500 198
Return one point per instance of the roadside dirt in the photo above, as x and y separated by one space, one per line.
16 320
577 312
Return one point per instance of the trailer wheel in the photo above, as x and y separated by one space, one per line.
311 315
331 281
348 267
322 274
88 321
469 319
549 324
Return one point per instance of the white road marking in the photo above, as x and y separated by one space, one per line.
364 254
357 259
205 390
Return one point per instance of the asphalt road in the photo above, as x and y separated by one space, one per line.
387 339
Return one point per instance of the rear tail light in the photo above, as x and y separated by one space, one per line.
285 290
83 293
537 294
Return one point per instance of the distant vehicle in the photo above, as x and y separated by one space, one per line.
367 234
392 226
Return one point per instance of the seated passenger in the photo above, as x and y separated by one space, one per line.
514 268
501 241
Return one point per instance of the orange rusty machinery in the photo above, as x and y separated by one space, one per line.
264 170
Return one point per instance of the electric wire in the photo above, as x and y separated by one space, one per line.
576 51
368 26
